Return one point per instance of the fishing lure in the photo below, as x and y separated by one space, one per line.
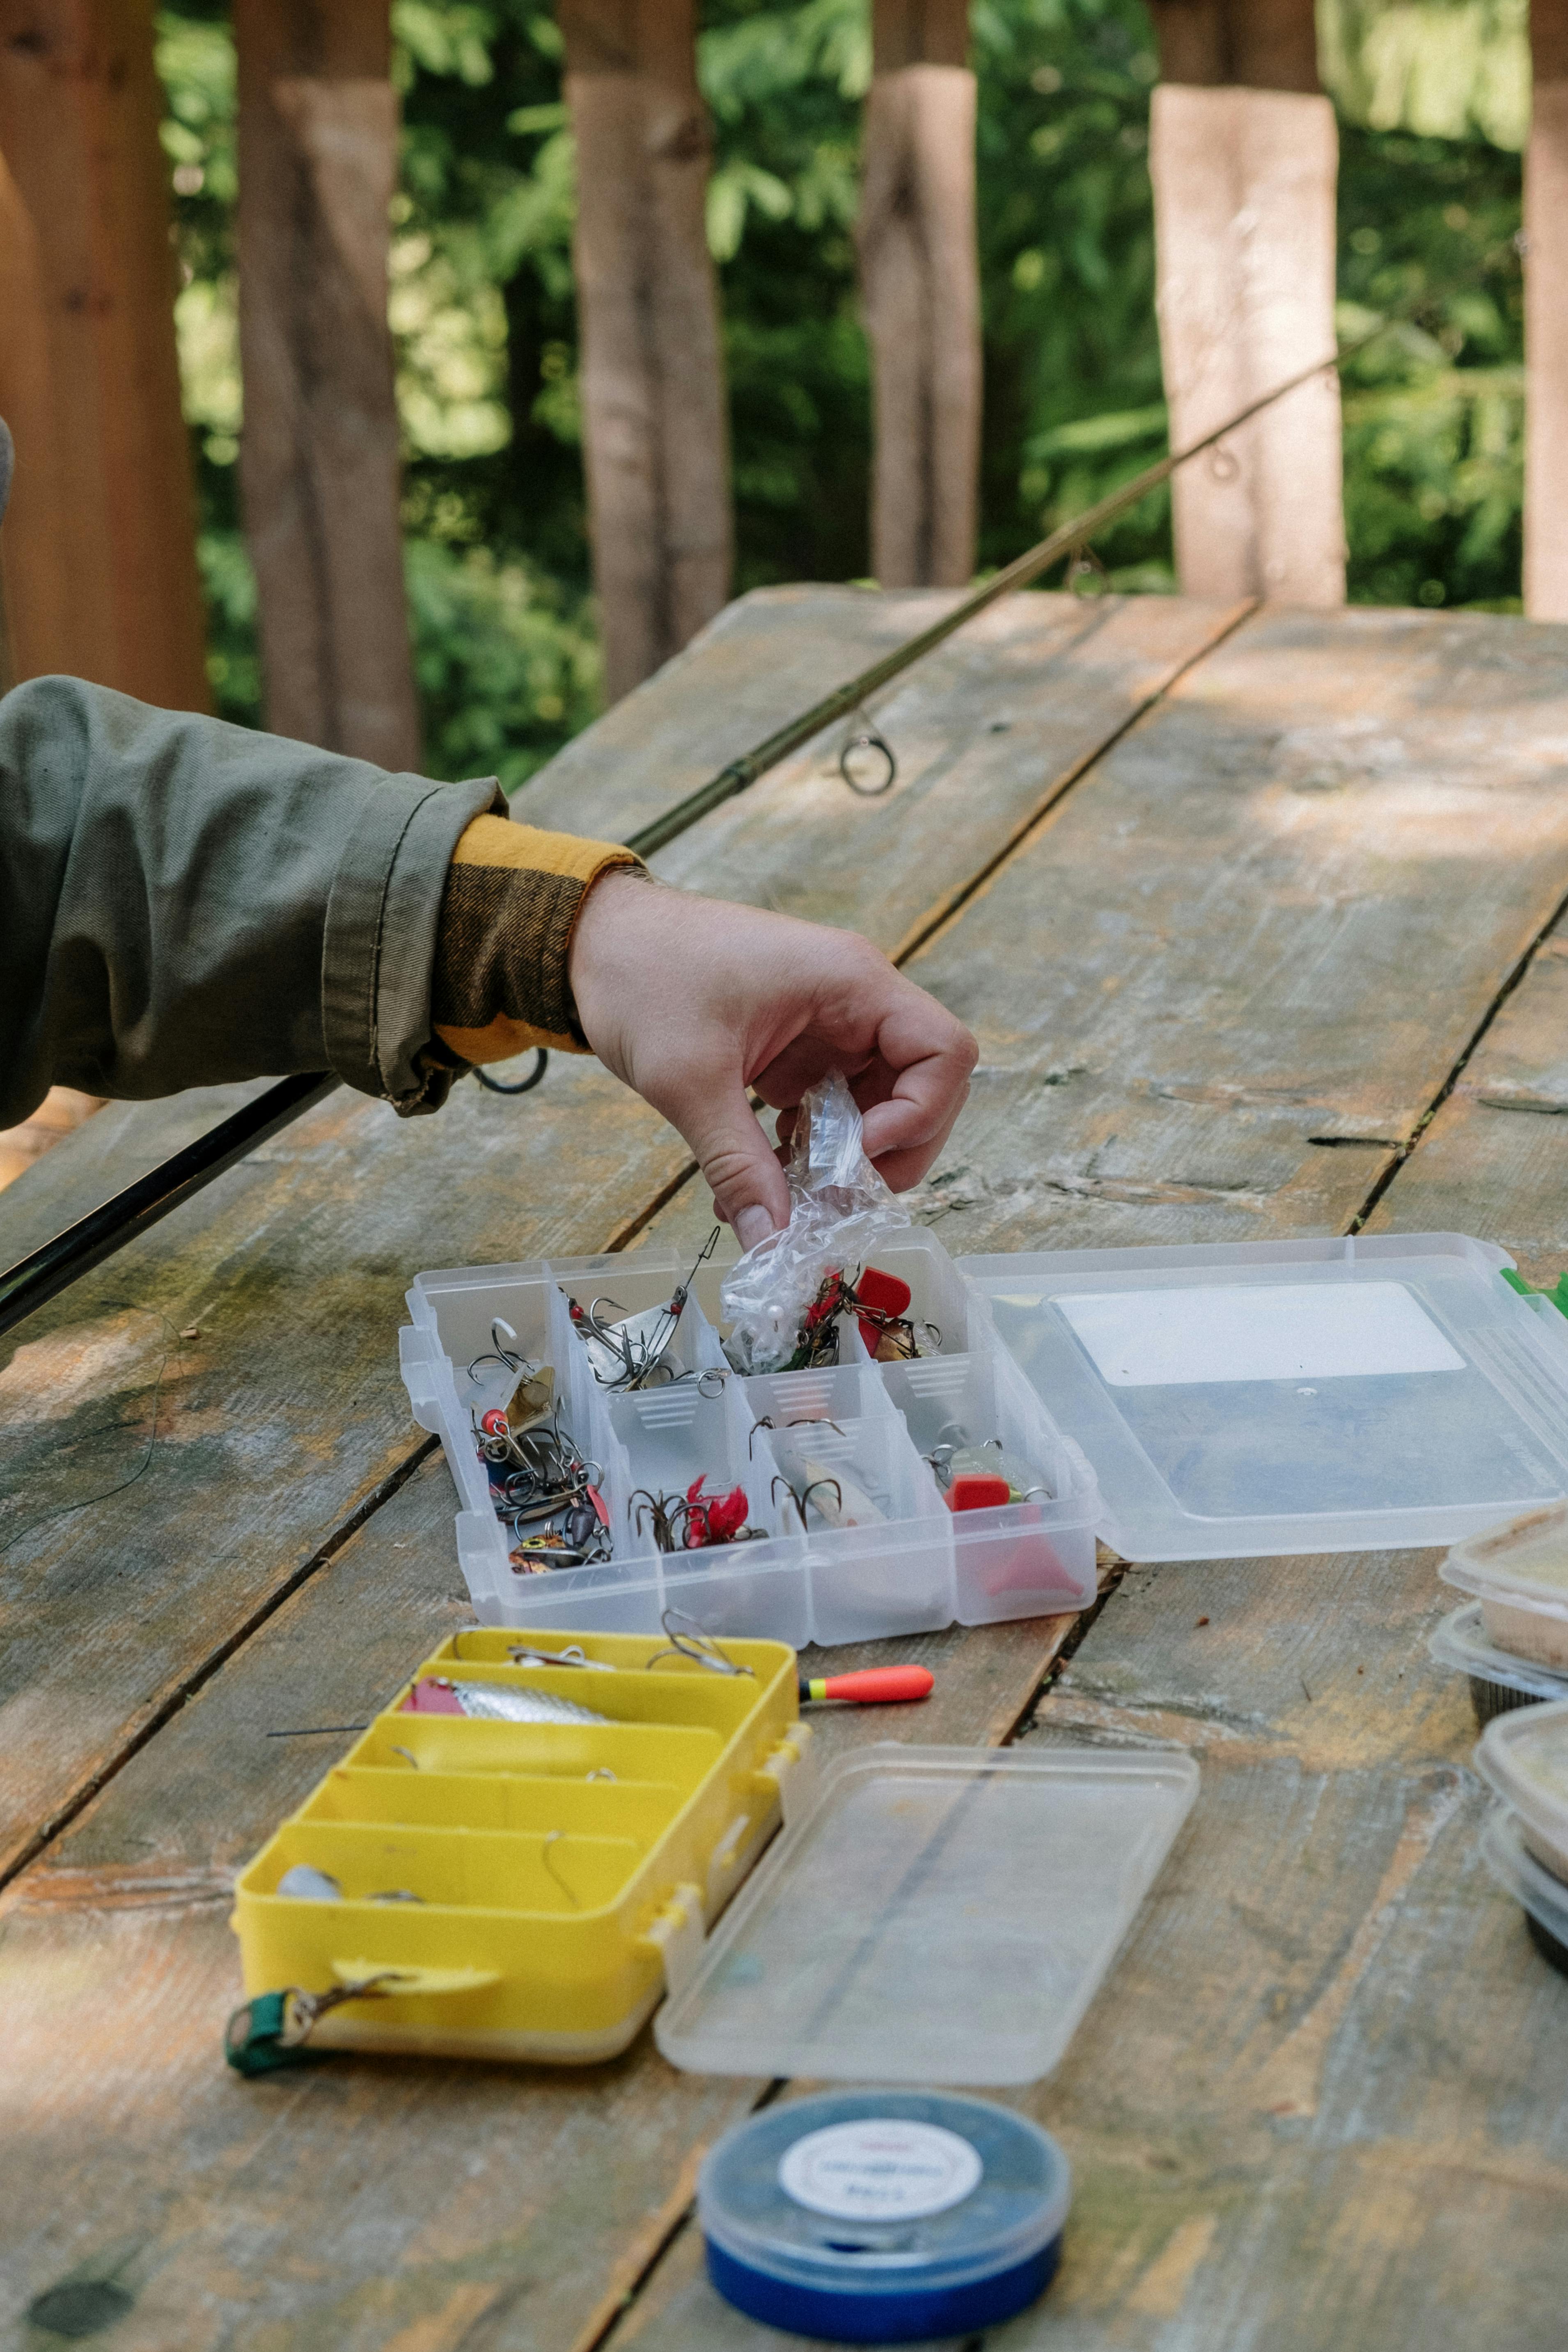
979 1477
634 1353
695 1520
493 1703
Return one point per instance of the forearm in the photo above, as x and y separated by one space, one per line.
184 902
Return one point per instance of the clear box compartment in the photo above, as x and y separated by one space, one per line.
630 1285
1034 1559
938 1296
893 1576
670 1437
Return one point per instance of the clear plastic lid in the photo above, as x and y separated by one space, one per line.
1294 1396
1460 1641
940 1914
1525 1562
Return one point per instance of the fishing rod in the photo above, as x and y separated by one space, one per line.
40 1277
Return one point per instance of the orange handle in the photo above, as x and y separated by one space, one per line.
876 1684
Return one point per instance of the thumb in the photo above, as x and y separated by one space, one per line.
734 1155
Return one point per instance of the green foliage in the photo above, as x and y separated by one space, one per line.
484 316
1073 394
1434 410
508 666
1445 69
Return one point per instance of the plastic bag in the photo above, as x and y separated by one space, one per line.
840 1208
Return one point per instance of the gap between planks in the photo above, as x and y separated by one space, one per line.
169 1706
1403 1151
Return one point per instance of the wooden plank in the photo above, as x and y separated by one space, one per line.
1317 2101
920 292
656 424
98 553
319 458
265 1452
995 723
262 2214
1546 318
989 733
1492 1161
1243 152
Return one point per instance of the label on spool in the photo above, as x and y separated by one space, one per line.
879 2168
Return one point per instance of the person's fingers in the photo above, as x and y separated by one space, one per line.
919 1114
747 1182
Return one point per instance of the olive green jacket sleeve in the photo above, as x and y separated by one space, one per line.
184 902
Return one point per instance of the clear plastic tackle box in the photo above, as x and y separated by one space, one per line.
1227 1400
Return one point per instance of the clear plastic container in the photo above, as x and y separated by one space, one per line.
914 1569
1520 1573
1499 1680
1506 1853
941 1915
1523 1755
883 2217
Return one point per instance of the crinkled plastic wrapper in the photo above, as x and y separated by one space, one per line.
839 1209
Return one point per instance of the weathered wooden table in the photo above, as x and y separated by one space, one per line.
1254 914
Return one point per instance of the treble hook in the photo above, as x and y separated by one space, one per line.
803 1498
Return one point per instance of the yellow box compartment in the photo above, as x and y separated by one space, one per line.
557 1868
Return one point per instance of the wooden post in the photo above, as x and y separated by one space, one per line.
1546 319
99 549
318 452
1244 155
920 284
656 439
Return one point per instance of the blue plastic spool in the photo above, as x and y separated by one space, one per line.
883 2217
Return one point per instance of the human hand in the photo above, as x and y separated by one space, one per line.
693 1000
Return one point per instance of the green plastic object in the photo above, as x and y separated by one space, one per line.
253 2043
1557 1294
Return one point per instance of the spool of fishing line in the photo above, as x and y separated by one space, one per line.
883 2217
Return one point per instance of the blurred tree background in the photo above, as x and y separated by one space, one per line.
1434 101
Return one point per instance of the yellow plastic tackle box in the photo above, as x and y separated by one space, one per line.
520 1890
